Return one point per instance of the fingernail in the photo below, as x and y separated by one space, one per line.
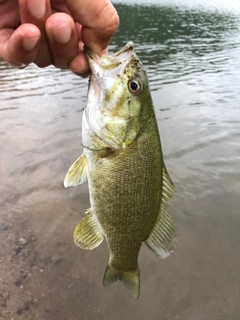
19 65
29 43
104 51
37 8
62 33
22 65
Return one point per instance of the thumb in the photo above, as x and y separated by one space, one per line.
99 21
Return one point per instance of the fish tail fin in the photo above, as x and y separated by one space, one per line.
131 279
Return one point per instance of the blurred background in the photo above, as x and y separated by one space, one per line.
191 51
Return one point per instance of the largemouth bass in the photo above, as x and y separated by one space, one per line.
122 161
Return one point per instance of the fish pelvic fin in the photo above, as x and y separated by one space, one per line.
87 233
77 173
131 279
163 237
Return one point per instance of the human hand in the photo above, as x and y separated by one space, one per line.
54 31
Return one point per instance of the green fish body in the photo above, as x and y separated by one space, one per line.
128 182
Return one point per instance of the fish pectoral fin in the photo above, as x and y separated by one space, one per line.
102 153
162 239
77 173
87 234
131 279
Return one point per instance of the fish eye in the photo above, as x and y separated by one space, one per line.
134 86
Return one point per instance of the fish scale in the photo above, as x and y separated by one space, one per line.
136 206
129 185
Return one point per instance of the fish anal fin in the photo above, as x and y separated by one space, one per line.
162 239
77 173
131 279
87 233
168 186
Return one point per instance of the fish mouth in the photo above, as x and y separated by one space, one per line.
107 65
107 86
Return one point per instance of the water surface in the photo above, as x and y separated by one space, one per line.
191 51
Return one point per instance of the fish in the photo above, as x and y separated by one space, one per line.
122 161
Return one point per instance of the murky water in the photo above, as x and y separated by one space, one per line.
191 50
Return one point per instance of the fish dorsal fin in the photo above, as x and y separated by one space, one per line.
77 173
87 234
162 238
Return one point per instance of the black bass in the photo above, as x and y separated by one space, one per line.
122 161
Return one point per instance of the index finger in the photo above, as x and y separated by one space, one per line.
99 20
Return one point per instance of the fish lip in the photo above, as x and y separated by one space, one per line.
128 47
100 64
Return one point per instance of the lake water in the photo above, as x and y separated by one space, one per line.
191 51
